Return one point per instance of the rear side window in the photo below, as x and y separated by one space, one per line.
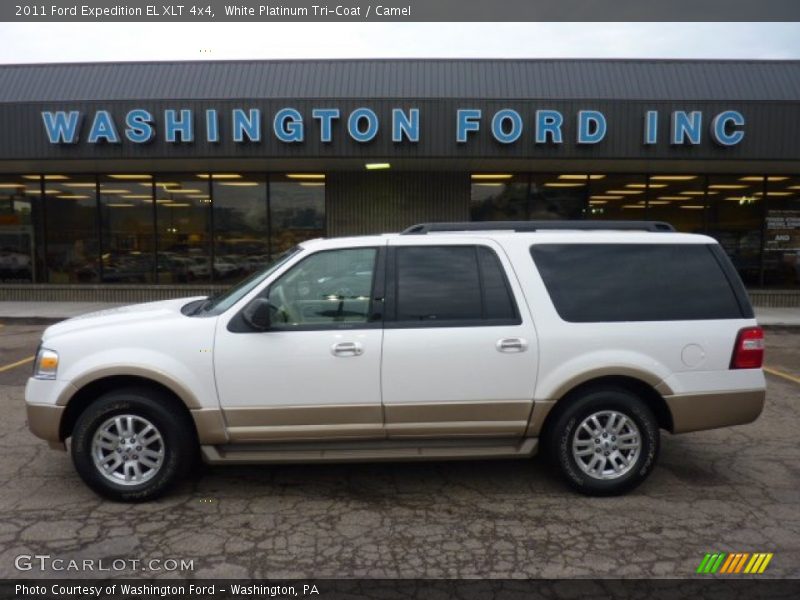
450 285
635 282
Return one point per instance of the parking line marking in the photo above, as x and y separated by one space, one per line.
777 373
14 365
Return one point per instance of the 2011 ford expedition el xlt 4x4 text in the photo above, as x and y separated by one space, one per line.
448 341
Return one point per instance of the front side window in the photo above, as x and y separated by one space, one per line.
450 285
331 288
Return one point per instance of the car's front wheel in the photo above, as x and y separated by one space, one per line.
131 445
604 442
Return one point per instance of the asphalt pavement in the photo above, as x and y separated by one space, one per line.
732 490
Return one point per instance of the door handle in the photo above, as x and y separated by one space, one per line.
512 345
347 349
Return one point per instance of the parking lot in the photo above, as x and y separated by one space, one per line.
733 490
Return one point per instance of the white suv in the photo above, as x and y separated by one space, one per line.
448 341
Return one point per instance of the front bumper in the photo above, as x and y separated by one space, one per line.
44 421
695 412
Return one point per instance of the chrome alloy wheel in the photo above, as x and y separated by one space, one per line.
606 445
128 449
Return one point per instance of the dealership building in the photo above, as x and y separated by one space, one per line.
127 181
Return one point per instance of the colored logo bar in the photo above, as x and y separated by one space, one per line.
734 563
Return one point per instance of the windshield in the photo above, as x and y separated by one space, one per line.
223 301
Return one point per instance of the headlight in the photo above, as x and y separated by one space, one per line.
46 364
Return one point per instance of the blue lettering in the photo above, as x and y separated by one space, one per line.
548 123
139 126
467 119
592 126
62 127
288 125
173 125
212 126
686 126
326 117
499 128
103 129
722 128
353 125
651 127
405 125
246 125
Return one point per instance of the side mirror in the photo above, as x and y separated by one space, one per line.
258 314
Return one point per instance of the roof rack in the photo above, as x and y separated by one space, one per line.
519 226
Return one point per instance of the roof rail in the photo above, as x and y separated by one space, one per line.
519 226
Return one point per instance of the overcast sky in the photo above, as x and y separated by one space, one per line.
54 42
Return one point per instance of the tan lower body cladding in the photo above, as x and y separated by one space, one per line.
446 419
695 412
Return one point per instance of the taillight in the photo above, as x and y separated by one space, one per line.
749 350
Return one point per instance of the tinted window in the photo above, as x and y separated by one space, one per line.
451 283
635 282
496 293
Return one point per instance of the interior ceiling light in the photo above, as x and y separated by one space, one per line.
691 206
581 176
604 197
305 175
240 183
560 184
47 177
673 177
312 184
80 185
9 186
491 176
120 204
377 166
633 206
182 191
727 186
137 196
625 192
114 191
216 176
131 176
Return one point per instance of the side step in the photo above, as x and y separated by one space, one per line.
369 451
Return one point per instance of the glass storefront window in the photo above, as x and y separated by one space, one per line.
241 233
73 247
617 197
183 228
297 209
499 197
557 196
679 200
735 218
782 233
17 264
128 243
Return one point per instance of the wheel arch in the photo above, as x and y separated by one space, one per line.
79 401
642 389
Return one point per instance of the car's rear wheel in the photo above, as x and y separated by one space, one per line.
131 444
604 442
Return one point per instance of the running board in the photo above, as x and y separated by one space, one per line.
372 451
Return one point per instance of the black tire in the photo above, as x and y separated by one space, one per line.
178 442
561 434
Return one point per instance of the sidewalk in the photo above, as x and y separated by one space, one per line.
789 317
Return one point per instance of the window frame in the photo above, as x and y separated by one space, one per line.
392 285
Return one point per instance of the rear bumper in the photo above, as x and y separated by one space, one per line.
695 412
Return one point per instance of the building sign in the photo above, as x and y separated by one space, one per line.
783 230
361 126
